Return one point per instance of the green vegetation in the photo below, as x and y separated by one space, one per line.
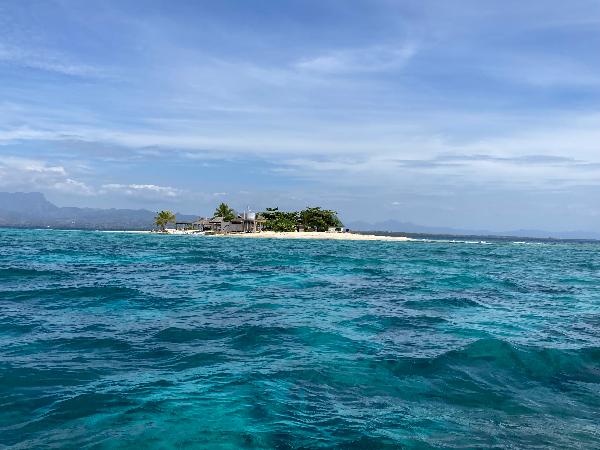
163 218
224 211
309 219
317 219
279 220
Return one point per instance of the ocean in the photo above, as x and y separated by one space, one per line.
116 340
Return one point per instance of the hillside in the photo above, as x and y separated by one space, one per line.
32 209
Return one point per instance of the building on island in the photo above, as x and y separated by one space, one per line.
338 230
184 225
247 222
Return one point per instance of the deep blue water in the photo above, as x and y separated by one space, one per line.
111 340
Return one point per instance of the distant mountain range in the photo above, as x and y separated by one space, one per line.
32 209
394 226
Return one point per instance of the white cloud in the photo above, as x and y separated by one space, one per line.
32 166
73 187
142 190
33 174
365 154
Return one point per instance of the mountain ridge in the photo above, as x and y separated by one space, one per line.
32 209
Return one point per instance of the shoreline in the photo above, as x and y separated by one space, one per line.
289 235
315 235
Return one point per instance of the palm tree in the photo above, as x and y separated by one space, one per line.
163 218
224 211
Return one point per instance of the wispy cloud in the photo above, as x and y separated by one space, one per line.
48 61
539 171
142 190
371 59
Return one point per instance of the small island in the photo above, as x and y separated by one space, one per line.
309 223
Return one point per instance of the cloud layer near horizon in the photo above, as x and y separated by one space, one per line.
484 115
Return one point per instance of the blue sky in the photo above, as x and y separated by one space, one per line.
479 114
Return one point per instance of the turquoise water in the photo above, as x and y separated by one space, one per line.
111 340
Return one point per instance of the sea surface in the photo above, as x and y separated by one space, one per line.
115 340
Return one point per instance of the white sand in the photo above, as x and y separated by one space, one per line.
290 235
314 235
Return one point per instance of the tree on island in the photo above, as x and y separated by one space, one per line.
310 219
317 219
226 212
276 220
163 218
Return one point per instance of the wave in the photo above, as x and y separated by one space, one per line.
443 303
382 323
180 335
261 338
20 273
80 294
490 355
87 344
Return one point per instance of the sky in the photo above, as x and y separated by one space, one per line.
472 114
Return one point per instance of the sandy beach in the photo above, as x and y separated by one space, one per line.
315 235
300 235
